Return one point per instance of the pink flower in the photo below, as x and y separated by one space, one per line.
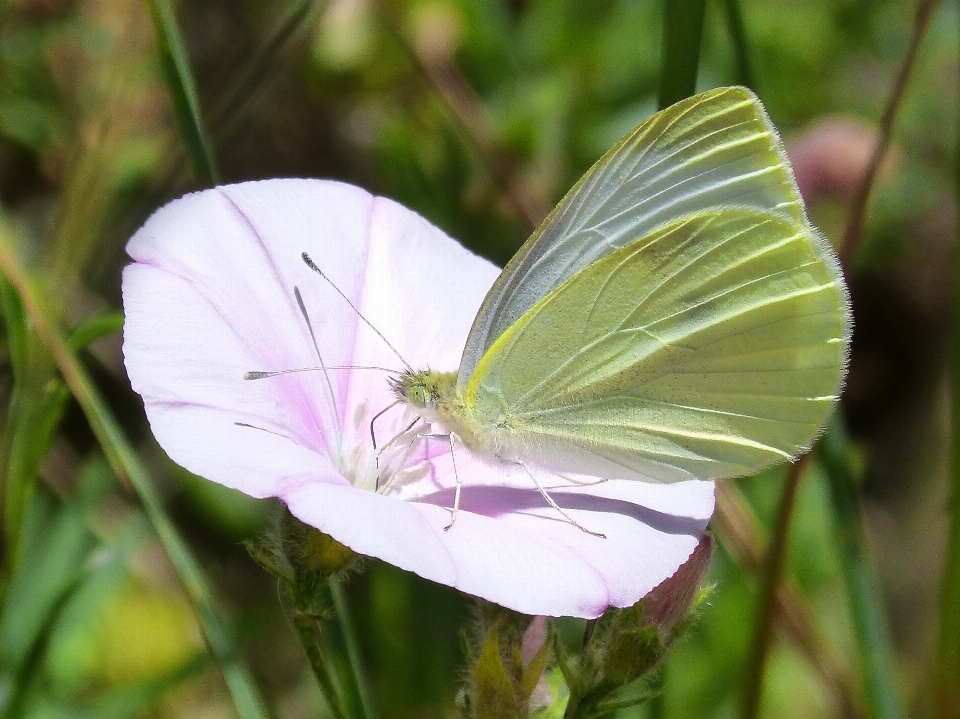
211 295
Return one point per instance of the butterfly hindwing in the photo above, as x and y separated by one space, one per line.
710 347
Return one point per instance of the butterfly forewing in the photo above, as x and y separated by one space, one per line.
715 149
710 347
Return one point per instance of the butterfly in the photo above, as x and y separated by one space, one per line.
675 317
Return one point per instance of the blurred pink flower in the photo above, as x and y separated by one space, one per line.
831 156
211 296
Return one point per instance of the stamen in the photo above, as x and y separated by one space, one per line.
394 439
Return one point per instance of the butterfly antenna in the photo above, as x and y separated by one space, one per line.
258 374
310 263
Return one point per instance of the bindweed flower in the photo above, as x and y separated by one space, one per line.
218 289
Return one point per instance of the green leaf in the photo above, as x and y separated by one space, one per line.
72 653
100 326
682 33
57 542
134 701
183 95
36 407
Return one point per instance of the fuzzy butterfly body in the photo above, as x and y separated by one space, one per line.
675 317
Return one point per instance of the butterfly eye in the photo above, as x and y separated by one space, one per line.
418 395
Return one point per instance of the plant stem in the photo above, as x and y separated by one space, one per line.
313 647
739 530
866 606
773 571
858 207
345 622
183 93
465 106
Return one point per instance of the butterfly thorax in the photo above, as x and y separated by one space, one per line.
434 395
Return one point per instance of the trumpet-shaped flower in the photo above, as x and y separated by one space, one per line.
218 289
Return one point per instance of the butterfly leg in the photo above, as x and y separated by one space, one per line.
456 475
551 501
453 458
406 453
581 482
393 439
378 415
452 439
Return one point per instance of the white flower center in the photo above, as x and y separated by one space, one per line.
396 461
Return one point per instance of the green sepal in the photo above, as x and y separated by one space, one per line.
505 669
493 695
268 553
560 695
620 664
637 692
567 666
631 653
324 554
303 558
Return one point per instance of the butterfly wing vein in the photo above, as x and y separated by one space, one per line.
711 347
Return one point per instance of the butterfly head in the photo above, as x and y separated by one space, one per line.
425 390
416 388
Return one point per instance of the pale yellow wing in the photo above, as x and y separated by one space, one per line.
717 149
711 347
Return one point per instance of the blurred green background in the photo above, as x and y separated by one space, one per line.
478 114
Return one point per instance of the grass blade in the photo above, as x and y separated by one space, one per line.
738 36
183 94
100 326
770 580
37 403
739 531
948 656
866 606
125 463
680 53
358 676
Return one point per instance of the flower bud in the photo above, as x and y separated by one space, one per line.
534 649
670 600
625 646
507 674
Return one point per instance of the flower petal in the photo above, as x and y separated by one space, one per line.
219 289
212 297
510 548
